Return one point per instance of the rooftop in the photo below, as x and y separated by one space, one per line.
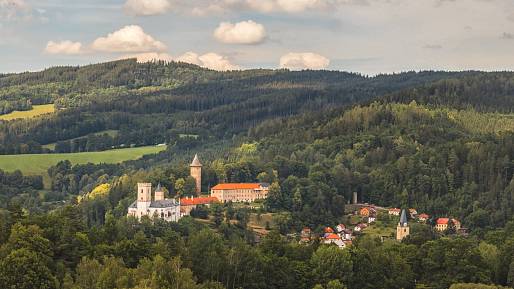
236 186
198 201
196 162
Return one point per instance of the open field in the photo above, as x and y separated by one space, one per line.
37 110
36 164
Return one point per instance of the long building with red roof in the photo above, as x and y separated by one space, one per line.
240 192
187 204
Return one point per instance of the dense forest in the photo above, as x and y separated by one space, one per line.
439 142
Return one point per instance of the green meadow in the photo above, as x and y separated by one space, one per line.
37 164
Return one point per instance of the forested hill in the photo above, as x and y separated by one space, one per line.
483 91
155 102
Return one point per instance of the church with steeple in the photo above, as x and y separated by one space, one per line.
402 230
156 206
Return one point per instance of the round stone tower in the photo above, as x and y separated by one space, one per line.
196 173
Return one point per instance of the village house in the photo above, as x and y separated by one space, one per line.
328 230
305 235
423 217
156 207
189 203
371 218
394 211
331 238
240 192
443 223
340 228
360 227
366 211
346 234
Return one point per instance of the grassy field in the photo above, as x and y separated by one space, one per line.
37 110
37 164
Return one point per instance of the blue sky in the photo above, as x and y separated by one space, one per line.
368 36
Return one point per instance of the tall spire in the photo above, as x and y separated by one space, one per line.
403 218
196 162
159 188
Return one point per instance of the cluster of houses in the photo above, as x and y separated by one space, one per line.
441 224
341 237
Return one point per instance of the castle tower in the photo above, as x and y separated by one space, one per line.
196 173
159 193
144 196
402 230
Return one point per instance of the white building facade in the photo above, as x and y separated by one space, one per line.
158 207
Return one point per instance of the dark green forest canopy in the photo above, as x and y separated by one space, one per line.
166 99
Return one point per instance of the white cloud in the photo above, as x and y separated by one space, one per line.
63 47
209 60
209 7
128 39
147 7
294 6
245 32
149 57
189 57
14 9
305 60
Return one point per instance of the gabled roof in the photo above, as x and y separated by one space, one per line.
329 230
442 221
394 210
196 162
198 201
168 203
332 236
403 218
423 216
236 186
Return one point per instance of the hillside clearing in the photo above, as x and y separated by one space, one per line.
36 110
37 164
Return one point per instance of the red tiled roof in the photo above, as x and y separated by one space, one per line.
442 221
329 230
423 216
332 236
236 186
198 201
394 210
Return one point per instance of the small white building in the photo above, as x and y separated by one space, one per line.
158 207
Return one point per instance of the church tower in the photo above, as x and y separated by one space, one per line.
402 230
144 196
159 193
196 173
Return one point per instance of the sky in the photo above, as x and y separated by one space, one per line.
366 36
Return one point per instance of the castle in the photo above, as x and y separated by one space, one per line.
158 207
